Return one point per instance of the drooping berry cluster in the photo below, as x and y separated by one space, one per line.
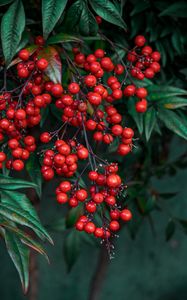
105 187
89 114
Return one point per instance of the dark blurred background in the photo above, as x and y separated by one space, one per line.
147 266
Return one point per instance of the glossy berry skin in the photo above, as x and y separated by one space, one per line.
114 225
141 93
126 215
129 90
99 232
139 40
42 64
57 90
45 137
2 157
141 106
24 54
73 88
62 198
18 165
90 227
113 180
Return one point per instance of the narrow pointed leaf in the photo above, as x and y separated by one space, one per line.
19 254
51 12
107 11
12 26
149 122
174 122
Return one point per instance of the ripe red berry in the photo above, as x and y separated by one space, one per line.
62 198
57 90
20 114
128 133
82 153
141 106
24 54
141 93
124 149
90 80
81 195
90 227
129 90
114 225
113 180
98 20
115 214
99 232
73 88
98 198
93 175
126 215
2 157
18 165
42 64
91 207
99 53
45 137
117 130
23 73
139 40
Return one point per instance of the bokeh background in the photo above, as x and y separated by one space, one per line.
147 266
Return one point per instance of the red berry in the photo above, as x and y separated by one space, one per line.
82 153
124 149
81 195
57 90
139 40
113 180
73 88
126 215
141 106
18 165
91 207
42 64
89 227
62 198
141 93
24 54
45 137
98 20
99 232
98 198
114 225
128 133
2 157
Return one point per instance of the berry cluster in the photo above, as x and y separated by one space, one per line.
88 111
62 159
104 189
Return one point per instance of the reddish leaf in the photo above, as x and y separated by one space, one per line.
54 69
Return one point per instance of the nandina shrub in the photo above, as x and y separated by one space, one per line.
66 104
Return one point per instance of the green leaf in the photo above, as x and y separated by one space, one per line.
10 183
73 14
4 2
87 23
139 7
138 118
157 92
51 12
71 248
173 103
12 26
173 122
149 122
24 218
73 216
58 225
19 254
25 238
170 229
177 9
33 168
107 10
63 38
54 69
